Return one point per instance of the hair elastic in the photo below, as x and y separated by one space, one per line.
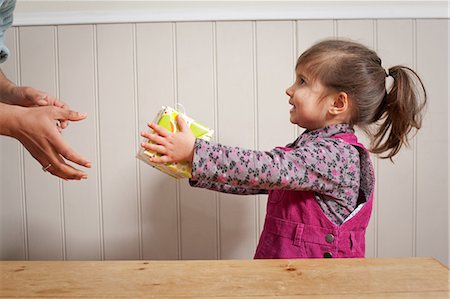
389 81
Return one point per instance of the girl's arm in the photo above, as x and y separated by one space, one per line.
328 166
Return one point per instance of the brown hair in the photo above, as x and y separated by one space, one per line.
350 67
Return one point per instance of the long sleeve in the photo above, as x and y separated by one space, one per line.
328 166
6 20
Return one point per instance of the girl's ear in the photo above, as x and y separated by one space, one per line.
340 104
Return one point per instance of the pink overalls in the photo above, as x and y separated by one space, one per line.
296 227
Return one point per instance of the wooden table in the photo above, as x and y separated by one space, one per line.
314 278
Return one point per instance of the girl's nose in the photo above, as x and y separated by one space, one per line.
289 91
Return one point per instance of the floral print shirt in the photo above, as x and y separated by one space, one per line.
315 161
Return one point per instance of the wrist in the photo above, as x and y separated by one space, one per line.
192 151
9 119
7 94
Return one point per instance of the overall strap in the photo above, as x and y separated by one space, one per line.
365 211
350 138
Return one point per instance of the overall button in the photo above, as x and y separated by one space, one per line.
327 255
329 238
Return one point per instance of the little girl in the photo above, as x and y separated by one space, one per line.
321 185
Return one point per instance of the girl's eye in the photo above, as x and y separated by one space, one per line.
301 81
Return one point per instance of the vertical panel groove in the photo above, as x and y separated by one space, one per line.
136 121
415 148
216 129
97 128
335 28
22 154
255 117
175 96
295 42
376 214
448 140
23 202
60 183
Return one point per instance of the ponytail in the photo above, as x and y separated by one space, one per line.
399 112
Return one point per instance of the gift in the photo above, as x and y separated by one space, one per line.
166 118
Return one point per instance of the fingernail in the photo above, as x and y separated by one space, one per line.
82 114
42 102
88 164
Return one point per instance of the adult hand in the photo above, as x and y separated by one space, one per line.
35 128
30 97
174 147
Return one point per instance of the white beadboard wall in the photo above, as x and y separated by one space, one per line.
231 76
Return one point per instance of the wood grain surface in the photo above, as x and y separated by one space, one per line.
317 278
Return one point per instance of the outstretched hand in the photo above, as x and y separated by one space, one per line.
37 132
173 147
30 97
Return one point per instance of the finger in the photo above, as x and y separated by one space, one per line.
64 150
160 130
43 99
155 138
160 149
66 114
65 171
60 104
63 124
53 163
161 159
182 125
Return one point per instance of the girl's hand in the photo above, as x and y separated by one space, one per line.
174 147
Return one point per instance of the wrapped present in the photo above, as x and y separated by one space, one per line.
167 118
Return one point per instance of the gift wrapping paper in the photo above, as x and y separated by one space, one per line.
166 118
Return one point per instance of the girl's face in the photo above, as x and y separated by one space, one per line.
309 105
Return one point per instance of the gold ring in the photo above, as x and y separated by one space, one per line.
47 167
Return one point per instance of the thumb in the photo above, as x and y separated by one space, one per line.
182 125
66 114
